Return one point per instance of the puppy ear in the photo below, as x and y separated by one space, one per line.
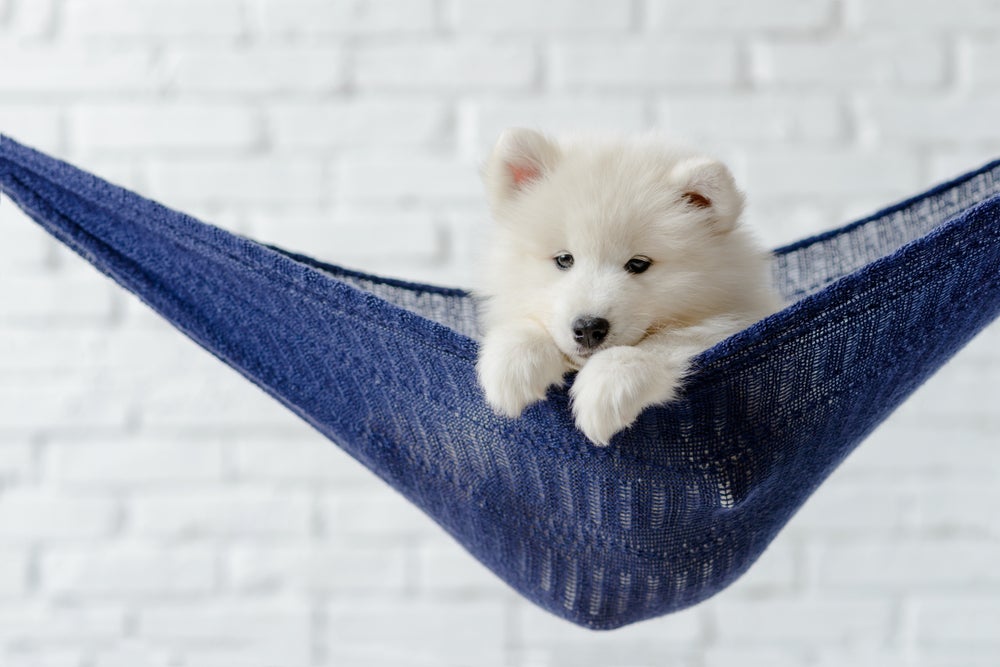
520 158
707 185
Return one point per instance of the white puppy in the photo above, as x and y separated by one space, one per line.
622 260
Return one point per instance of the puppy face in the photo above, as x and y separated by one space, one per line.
605 244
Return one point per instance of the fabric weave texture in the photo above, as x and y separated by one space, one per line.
681 504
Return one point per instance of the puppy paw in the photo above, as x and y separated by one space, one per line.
516 369
615 385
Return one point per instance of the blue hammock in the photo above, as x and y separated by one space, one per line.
683 502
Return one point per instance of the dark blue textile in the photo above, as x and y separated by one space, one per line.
678 506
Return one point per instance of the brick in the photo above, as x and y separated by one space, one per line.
317 18
37 515
312 460
960 507
778 221
985 346
255 70
81 351
754 118
958 392
871 61
716 15
34 125
864 657
849 510
958 657
807 622
249 181
244 655
42 622
366 179
446 567
26 246
126 461
16 461
132 570
608 653
13 573
926 119
322 568
223 513
375 515
131 350
136 315
51 350
799 173
37 297
454 633
52 404
237 622
958 621
42 656
908 15
979 56
73 69
946 163
211 402
910 564
30 19
486 119
554 17
646 65
754 657
462 65
130 652
357 237
363 122
469 232
170 127
151 19
902 446
148 19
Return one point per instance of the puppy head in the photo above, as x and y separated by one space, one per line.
604 244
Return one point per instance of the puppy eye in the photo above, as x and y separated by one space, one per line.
638 264
563 260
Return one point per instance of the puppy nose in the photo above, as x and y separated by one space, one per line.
590 331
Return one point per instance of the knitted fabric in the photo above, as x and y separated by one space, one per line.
682 503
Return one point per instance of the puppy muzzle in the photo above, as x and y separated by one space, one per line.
589 331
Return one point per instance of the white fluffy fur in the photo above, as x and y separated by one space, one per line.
605 203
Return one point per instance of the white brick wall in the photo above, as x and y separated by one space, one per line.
156 509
